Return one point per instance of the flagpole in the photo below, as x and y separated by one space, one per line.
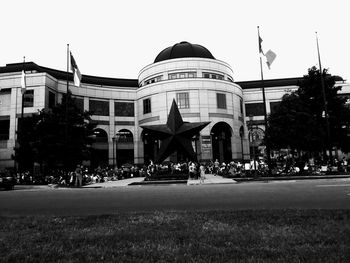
265 110
66 112
23 91
324 102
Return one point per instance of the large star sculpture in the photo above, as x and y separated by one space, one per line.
175 135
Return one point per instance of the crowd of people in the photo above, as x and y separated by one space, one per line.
82 175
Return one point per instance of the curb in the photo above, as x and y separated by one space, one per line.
287 178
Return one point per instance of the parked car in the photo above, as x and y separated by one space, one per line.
7 180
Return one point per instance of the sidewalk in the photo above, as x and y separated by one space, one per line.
209 179
212 179
118 183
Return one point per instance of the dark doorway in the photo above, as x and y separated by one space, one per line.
124 147
221 142
99 151
150 147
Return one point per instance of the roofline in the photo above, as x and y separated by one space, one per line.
62 75
253 84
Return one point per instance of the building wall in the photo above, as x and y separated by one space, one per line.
202 96
157 85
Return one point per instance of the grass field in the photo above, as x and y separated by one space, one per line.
219 236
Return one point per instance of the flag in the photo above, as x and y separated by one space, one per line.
270 57
23 82
76 71
260 48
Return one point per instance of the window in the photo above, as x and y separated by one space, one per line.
213 76
124 109
99 107
153 80
191 75
172 76
52 99
79 102
4 129
221 100
182 75
241 106
28 98
183 100
254 109
274 105
146 106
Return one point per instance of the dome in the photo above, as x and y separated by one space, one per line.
184 50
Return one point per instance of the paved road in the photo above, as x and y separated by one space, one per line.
305 194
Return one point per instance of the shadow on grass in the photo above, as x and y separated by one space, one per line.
219 236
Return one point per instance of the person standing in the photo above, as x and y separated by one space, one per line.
202 173
78 176
192 170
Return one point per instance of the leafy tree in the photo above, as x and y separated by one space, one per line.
298 122
56 138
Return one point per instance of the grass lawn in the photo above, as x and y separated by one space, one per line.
215 236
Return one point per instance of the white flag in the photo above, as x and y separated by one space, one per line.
23 82
270 57
76 71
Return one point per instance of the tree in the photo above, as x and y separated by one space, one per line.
55 138
298 122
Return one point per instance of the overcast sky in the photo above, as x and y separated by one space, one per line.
117 38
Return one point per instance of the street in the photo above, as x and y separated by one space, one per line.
303 194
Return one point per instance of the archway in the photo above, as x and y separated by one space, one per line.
221 142
256 138
123 142
99 149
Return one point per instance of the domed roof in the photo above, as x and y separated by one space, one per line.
184 50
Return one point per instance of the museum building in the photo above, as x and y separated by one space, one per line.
202 86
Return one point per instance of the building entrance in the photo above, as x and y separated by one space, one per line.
221 142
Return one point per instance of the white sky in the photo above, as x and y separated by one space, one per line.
117 38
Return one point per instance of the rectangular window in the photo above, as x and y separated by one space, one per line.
52 99
221 100
4 129
182 75
79 102
274 105
206 75
191 75
241 106
28 98
124 109
146 106
99 107
183 100
254 109
172 76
